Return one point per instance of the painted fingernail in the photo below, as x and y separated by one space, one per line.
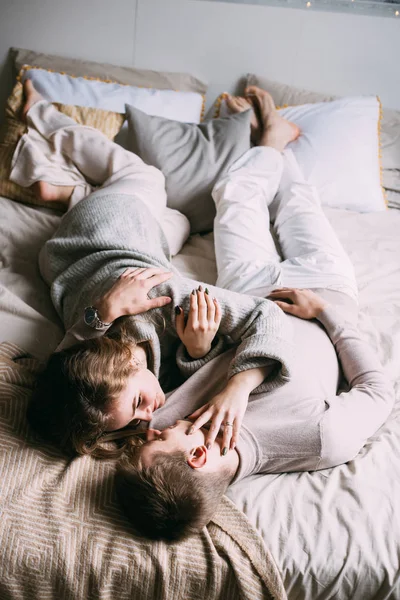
194 292
225 451
177 310
208 446
200 288
207 292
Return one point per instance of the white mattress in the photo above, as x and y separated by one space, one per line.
334 534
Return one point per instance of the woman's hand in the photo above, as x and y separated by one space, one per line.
128 295
304 303
226 408
202 324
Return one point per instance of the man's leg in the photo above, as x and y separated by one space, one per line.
313 256
247 260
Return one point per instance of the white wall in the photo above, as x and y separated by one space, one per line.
218 42
328 52
101 30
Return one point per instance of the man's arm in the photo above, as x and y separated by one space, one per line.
352 417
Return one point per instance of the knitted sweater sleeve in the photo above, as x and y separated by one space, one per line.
257 327
79 332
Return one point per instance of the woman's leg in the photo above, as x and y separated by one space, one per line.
98 160
313 255
66 161
247 259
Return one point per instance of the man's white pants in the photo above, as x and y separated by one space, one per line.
247 259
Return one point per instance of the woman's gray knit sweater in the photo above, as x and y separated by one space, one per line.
107 233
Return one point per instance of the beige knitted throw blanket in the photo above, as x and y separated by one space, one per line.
62 535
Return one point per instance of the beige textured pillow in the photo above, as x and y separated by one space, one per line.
128 75
13 128
390 129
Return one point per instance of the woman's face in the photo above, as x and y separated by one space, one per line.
141 396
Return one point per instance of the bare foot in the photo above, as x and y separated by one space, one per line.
237 104
31 97
53 193
277 131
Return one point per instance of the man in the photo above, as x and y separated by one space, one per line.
172 484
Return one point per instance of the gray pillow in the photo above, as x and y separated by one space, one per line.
192 157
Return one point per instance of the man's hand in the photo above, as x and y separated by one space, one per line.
303 303
202 324
128 295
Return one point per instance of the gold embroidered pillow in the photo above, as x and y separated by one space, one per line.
13 128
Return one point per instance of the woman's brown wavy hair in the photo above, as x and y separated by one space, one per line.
75 391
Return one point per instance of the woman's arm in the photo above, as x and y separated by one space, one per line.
127 296
198 331
256 326
228 407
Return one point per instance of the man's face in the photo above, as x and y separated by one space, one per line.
176 438
171 439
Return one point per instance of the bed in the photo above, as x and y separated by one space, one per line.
333 534
336 533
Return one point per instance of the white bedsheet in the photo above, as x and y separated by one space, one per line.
334 534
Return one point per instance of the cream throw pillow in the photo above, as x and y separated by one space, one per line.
81 91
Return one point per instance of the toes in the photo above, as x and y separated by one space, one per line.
232 103
253 90
296 131
242 103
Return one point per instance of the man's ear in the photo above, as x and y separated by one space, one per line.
197 457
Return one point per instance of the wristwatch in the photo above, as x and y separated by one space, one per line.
92 318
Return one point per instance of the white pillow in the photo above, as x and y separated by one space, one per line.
339 151
186 107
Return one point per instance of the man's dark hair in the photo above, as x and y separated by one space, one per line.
168 500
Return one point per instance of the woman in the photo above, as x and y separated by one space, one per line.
103 382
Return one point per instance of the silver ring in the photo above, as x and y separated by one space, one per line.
227 424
